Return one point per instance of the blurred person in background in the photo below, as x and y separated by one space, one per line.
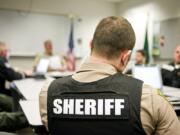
176 62
7 73
140 60
171 72
140 57
49 54
9 121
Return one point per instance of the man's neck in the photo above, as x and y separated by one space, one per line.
100 59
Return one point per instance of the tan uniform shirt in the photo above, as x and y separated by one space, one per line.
157 115
39 57
46 56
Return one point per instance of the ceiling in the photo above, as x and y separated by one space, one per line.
116 1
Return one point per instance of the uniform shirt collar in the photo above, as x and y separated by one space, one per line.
94 71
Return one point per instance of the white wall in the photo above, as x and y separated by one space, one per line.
90 11
25 32
139 11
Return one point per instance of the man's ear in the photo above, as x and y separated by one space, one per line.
125 57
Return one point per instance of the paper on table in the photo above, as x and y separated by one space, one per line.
54 62
42 66
31 111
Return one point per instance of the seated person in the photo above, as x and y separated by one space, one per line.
9 121
75 105
140 59
6 72
49 54
171 72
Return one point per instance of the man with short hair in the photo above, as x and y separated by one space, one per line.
171 72
140 60
176 62
9 121
99 100
7 73
48 54
140 57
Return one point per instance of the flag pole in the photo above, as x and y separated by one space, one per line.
70 54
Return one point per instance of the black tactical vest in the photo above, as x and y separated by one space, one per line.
110 106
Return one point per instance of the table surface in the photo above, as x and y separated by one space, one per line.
31 110
172 92
30 89
59 74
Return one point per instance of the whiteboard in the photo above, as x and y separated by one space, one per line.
25 32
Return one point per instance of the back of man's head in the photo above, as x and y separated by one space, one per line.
112 36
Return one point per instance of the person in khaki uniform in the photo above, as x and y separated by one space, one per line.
47 54
113 42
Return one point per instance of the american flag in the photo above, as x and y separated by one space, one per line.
71 62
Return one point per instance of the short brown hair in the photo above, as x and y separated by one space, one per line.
113 35
47 42
142 52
